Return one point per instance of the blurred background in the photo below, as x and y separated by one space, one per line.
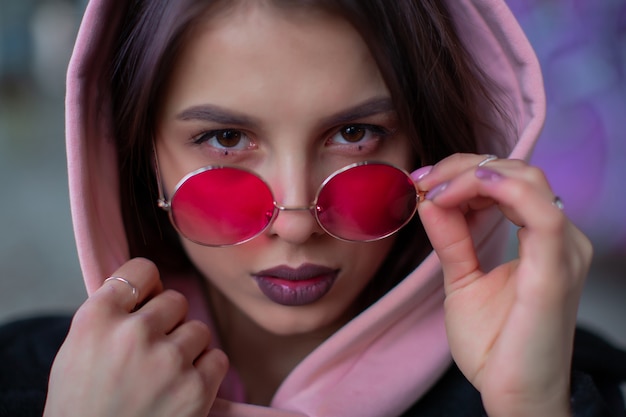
582 47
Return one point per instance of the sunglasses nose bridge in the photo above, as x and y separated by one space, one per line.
297 227
310 207
301 196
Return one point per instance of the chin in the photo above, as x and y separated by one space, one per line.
300 320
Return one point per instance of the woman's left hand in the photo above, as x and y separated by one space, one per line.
510 329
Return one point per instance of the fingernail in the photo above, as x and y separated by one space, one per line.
420 173
487 174
436 191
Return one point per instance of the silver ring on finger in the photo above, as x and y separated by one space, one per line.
488 158
558 203
134 290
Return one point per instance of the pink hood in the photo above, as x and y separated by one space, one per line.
383 360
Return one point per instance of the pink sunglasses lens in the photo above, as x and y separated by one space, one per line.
366 202
222 206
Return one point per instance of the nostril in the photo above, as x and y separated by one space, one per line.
295 224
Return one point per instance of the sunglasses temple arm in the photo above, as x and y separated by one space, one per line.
162 201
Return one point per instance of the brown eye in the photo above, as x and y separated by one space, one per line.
353 133
228 138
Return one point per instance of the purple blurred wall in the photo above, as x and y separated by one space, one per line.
581 45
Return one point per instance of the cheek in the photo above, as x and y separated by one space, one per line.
365 261
403 153
217 264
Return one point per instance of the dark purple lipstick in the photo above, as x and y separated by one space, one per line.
296 287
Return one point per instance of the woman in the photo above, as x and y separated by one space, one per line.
239 172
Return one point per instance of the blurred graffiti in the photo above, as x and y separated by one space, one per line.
581 45
36 38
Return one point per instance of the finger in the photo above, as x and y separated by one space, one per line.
529 204
522 191
133 290
449 234
117 295
162 313
525 197
213 366
450 167
191 339
447 226
462 190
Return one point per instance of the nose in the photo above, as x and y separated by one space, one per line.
295 221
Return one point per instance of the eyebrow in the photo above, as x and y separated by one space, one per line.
216 114
373 106
212 113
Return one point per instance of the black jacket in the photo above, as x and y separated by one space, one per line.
28 347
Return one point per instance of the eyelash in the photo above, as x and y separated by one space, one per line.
377 132
204 137
373 134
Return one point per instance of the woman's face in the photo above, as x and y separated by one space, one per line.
292 95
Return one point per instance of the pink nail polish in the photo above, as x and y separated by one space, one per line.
487 174
432 194
420 173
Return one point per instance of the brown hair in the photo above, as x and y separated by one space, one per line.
436 87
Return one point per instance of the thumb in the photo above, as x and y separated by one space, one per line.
450 237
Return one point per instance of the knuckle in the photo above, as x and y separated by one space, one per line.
519 190
199 329
88 314
144 263
199 392
136 328
517 162
460 158
176 297
536 175
556 222
142 324
174 354
142 267
513 163
223 362
198 384
455 159
588 251
141 321
209 375
585 249
220 362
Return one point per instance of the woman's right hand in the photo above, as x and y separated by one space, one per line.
119 360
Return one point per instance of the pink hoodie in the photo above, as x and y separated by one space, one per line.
383 360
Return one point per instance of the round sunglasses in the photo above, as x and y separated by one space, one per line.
225 205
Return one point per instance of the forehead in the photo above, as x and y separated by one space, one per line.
255 47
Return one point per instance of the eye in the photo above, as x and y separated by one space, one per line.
359 135
225 139
228 138
353 133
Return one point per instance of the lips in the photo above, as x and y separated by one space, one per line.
296 287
